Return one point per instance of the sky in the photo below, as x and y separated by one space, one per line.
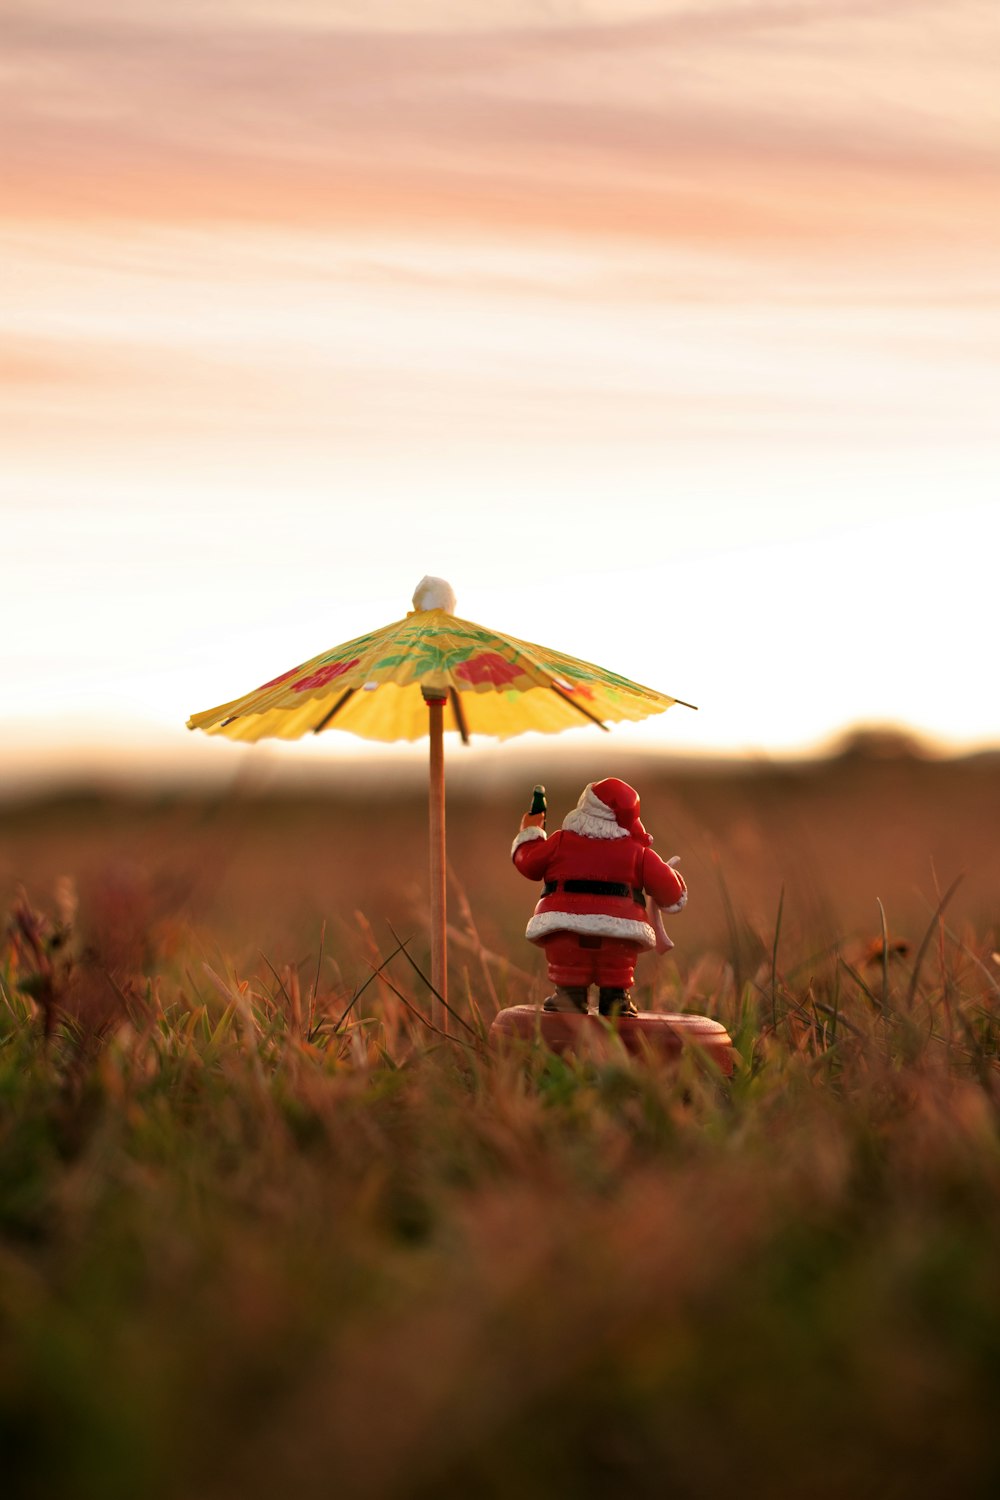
668 333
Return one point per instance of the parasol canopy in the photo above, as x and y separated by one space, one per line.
425 674
376 686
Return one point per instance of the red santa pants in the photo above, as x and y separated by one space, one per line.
576 958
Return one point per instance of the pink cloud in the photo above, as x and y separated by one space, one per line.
776 121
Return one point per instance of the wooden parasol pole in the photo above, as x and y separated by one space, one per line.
439 942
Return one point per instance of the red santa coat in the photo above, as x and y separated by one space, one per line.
611 859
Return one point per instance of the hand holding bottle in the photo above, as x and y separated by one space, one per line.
535 817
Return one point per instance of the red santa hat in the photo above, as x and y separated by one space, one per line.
608 809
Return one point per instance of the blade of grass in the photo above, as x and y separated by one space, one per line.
240 1006
885 955
994 986
774 960
315 984
734 931
415 1011
925 943
281 983
375 974
473 931
833 1011
859 982
419 971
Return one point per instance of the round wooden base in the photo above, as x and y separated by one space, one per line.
662 1035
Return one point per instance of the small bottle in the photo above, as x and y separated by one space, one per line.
538 803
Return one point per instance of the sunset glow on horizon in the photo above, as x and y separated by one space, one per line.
668 334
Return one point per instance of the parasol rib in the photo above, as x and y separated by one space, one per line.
459 712
561 693
334 711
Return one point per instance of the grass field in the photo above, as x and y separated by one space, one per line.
264 1230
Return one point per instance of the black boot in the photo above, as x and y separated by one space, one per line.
570 1000
616 1003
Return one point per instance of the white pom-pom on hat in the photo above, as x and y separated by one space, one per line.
434 593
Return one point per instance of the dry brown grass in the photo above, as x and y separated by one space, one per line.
249 876
263 1231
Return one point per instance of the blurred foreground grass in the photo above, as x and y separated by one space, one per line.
264 1230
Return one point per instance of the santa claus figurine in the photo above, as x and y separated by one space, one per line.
592 919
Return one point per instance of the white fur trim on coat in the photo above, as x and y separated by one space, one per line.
526 835
592 826
596 924
678 905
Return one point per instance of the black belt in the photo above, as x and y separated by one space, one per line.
595 888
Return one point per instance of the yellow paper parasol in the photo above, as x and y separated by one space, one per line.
421 675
